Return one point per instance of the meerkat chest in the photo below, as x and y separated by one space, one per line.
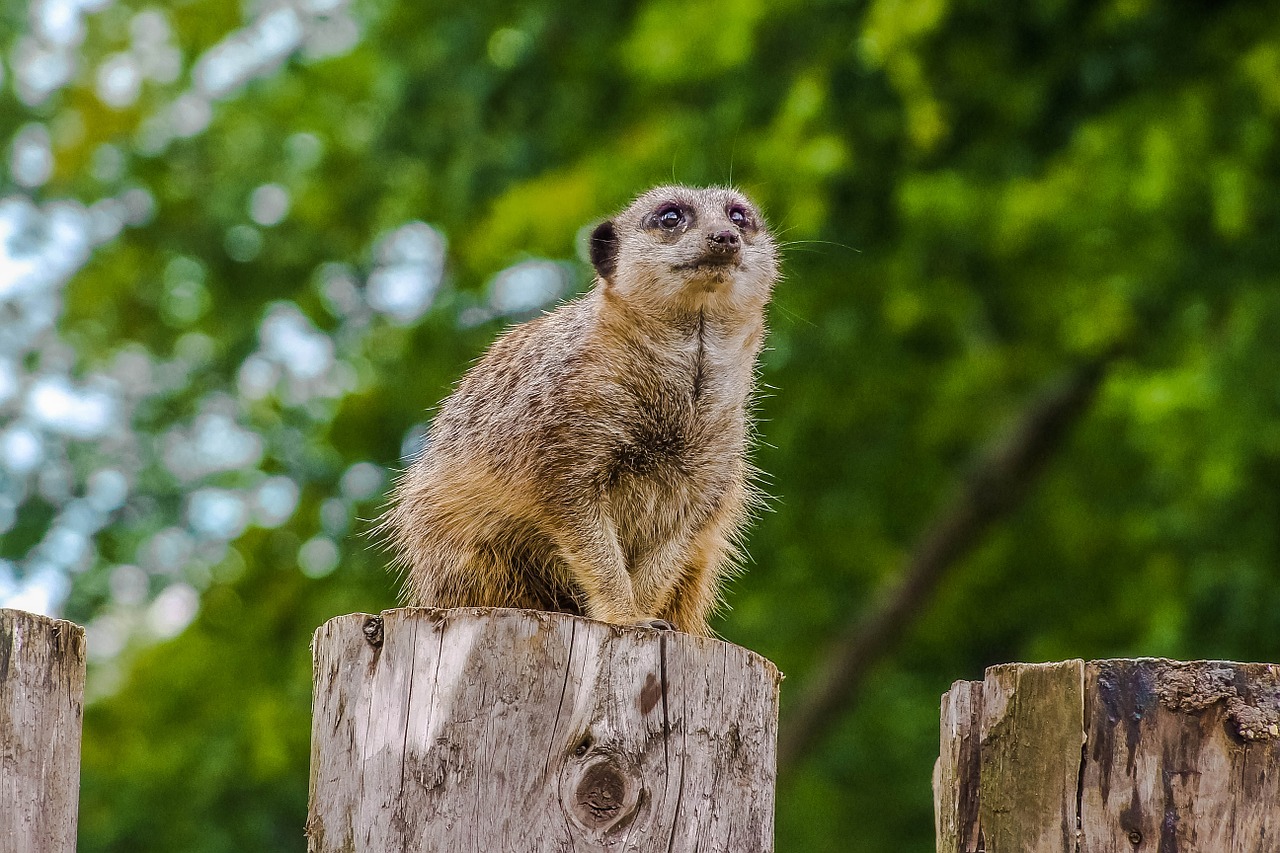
671 470
682 434
673 438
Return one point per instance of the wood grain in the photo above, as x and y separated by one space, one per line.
956 804
1182 757
42 670
1115 756
512 730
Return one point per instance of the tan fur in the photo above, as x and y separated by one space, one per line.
595 459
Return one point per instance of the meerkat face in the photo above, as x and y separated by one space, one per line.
687 247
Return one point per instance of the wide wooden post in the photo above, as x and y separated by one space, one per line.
42 667
1113 756
511 730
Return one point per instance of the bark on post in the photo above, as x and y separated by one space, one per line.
1114 756
512 730
42 667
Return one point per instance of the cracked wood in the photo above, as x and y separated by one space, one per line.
515 730
42 669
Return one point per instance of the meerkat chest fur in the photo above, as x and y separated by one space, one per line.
676 422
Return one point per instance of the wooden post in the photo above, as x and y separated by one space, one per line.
513 730
42 668
1113 756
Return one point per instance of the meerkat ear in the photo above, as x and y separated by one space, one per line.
604 249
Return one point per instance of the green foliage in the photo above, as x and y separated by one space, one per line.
974 197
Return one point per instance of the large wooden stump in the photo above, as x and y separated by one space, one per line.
41 707
507 731
1114 756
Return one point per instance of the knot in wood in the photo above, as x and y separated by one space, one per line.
373 631
600 795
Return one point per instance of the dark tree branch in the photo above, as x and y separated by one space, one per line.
993 489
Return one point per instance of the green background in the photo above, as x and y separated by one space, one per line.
974 198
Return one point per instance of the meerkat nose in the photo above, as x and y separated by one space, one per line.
723 242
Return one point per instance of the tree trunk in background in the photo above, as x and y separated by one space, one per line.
1111 757
994 488
42 668
511 730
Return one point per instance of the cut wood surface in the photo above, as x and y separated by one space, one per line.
1114 756
514 730
42 668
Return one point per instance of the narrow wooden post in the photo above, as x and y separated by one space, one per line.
42 669
512 730
1113 756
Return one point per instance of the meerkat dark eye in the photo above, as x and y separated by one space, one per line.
669 216
738 216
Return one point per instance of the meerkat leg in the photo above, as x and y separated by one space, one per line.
696 592
695 596
692 592
590 550
655 579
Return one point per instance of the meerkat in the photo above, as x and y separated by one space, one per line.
595 460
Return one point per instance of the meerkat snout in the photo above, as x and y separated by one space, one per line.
722 247
595 459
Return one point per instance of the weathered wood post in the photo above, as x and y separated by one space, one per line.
504 731
42 667
1113 756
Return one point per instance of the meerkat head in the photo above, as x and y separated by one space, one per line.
690 248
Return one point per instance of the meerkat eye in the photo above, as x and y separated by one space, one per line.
669 216
738 216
